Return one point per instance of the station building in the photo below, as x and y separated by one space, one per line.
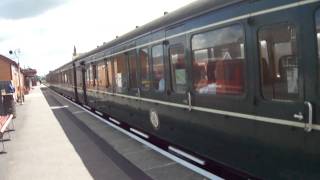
10 71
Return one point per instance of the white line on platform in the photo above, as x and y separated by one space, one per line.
189 156
58 107
87 107
139 133
115 121
100 113
78 112
161 151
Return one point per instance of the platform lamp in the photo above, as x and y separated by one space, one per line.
16 53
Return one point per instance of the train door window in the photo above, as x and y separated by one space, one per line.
158 68
218 61
278 62
79 76
88 76
70 75
144 69
120 70
94 75
178 68
132 69
109 74
101 75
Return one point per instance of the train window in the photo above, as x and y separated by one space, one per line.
158 68
109 75
178 68
132 69
101 75
278 62
218 61
120 70
79 76
94 74
88 76
144 69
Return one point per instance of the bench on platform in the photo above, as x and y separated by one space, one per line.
4 128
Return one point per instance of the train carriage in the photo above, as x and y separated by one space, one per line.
232 84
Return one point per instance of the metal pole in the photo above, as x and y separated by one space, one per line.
20 94
20 88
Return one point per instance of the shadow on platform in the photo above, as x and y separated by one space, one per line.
100 159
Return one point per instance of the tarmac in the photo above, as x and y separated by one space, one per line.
55 139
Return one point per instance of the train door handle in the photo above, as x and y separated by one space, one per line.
299 116
308 126
189 101
138 92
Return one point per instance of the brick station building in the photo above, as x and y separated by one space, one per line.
30 76
9 70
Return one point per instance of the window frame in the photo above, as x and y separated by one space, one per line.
149 73
128 54
242 96
152 88
301 92
171 87
125 89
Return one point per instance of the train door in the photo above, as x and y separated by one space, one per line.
74 71
281 109
280 96
131 57
311 22
84 88
177 87
152 68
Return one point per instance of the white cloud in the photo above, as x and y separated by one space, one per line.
46 42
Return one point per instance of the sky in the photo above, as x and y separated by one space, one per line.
44 32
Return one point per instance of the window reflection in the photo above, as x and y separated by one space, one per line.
101 75
133 69
158 68
218 58
278 62
121 76
145 70
178 69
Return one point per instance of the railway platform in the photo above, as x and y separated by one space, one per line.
55 139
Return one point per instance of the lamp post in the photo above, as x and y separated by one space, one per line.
16 53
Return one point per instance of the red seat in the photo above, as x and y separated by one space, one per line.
4 123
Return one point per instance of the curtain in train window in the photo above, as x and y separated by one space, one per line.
178 69
278 62
121 73
132 69
158 68
145 69
218 61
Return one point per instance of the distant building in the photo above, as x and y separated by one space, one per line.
9 70
30 76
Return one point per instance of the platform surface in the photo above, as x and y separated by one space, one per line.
54 139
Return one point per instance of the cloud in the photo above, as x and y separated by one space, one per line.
19 9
